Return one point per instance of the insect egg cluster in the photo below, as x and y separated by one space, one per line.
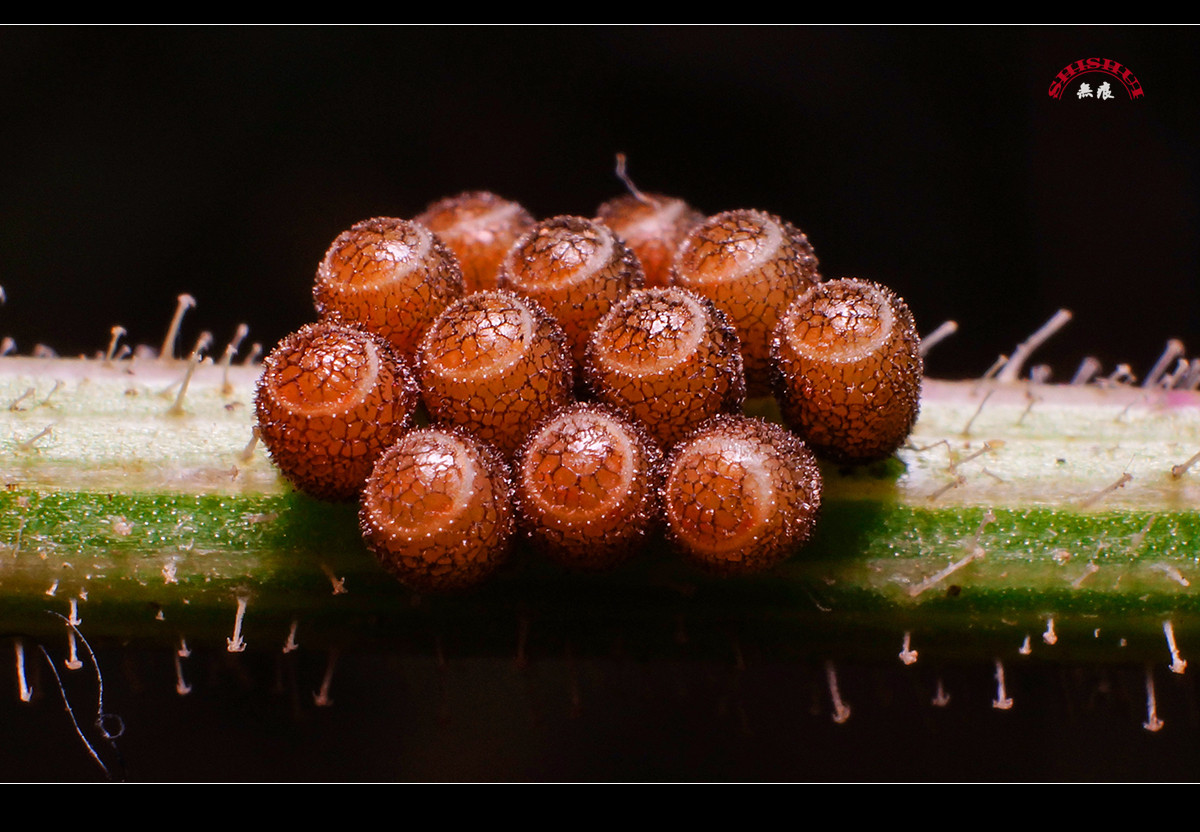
554 312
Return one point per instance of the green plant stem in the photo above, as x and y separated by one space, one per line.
1013 505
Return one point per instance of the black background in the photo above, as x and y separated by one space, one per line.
141 163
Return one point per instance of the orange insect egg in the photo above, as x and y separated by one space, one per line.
330 400
480 227
653 226
848 370
751 265
437 510
495 364
669 358
576 269
740 495
389 276
587 485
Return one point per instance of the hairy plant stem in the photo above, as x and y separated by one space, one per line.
1013 504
